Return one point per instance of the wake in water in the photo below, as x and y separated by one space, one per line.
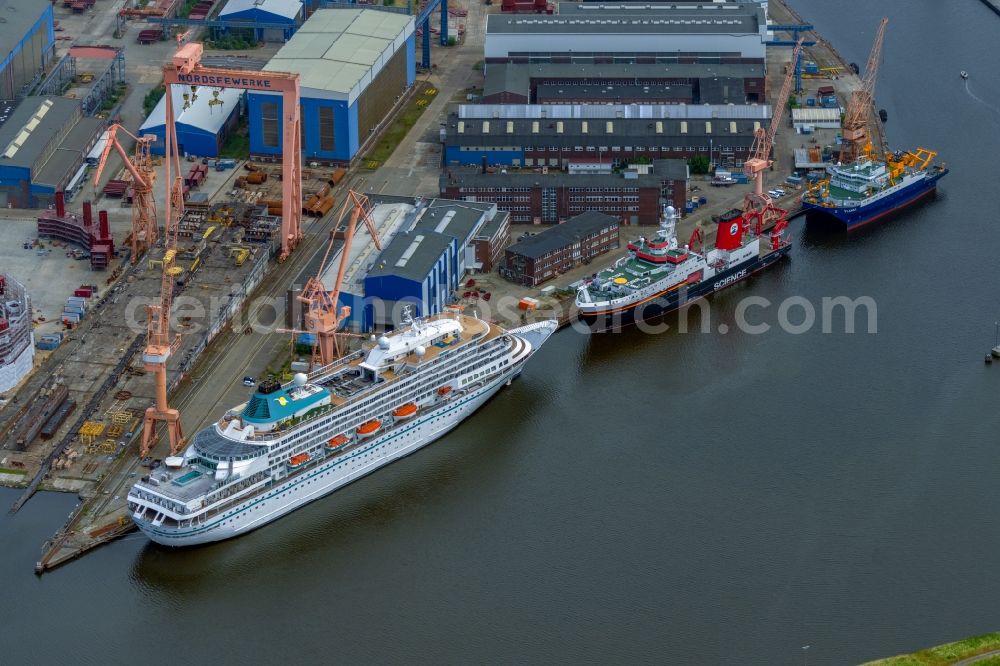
980 100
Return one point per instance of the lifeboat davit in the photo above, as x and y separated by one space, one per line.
370 428
298 460
337 442
405 411
444 390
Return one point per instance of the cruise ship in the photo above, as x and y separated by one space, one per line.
657 276
861 192
293 443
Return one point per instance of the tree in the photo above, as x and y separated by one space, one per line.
699 164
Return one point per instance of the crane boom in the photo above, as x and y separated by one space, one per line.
859 107
763 140
113 143
144 229
321 316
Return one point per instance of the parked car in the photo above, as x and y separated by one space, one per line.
248 381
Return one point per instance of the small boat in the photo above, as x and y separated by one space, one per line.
405 411
298 460
369 428
996 340
337 442
444 390
964 74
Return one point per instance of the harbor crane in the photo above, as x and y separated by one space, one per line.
140 168
757 200
160 344
322 316
860 106
185 69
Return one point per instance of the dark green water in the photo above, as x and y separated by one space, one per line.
682 499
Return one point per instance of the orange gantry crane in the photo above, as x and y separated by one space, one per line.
757 200
185 68
322 316
159 342
860 106
140 168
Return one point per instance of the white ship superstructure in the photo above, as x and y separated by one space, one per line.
17 349
294 443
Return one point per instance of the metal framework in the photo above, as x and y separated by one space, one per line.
861 104
185 69
140 167
763 141
322 317
797 31
65 71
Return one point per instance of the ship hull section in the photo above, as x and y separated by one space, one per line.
856 217
624 316
292 493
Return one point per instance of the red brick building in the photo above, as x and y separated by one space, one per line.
491 241
535 259
635 196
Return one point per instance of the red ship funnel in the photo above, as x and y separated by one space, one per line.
88 215
729 235
60 204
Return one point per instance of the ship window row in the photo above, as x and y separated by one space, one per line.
385 402
374 404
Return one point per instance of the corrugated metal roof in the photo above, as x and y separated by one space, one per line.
18 17
22 147
815 114
340 51
200 114
650 111
286 8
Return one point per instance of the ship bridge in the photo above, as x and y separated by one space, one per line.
417 339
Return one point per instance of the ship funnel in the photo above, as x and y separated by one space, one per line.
729 235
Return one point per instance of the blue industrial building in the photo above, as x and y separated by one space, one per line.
354 65
42 148
203 126
281 16
27 44
426 261
430 245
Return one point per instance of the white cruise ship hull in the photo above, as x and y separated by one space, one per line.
337 471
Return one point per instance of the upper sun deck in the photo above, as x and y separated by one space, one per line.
377 365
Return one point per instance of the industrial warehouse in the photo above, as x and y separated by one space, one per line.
550 135
433 244
354 64
624 33
27 34
621 83
42 144
203 119
634 194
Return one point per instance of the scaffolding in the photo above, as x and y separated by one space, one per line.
90 431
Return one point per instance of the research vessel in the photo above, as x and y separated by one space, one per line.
861 192
657 276
293 443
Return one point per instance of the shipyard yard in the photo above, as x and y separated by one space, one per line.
581 531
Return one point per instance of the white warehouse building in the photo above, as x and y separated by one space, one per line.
630 32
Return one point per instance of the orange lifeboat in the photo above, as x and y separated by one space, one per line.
337 442
444 390
405 411
298 460
370 428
